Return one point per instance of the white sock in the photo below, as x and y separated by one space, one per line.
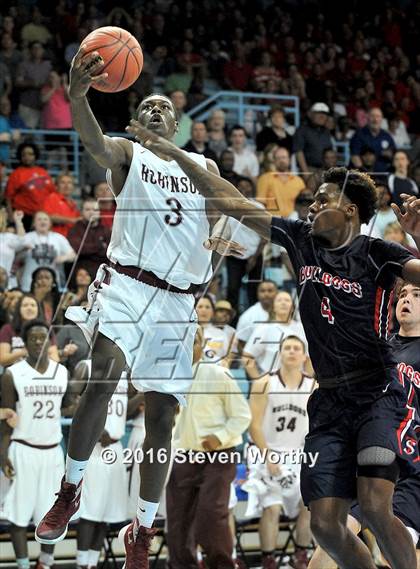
234 553
82 558
199 555
46 558
23 563
75 470
93 557
146 512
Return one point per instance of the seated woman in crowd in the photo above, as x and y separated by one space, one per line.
45 289
12 348
218 340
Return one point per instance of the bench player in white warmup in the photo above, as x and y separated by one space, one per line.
142 307
279 425
104 491
30 453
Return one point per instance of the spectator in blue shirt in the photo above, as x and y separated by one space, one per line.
375 137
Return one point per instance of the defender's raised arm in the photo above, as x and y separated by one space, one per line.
222 194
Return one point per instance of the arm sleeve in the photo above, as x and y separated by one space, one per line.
288 232
389 257
64 245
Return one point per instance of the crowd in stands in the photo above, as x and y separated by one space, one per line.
356 73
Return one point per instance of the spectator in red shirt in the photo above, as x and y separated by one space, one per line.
106 202
238 73
28 185
265 72
90 238
61 208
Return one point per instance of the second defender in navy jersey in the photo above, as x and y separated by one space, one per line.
406 350
359 418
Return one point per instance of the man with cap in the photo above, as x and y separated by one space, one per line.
311 139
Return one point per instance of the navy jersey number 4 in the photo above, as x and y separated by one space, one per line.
326 310
345 296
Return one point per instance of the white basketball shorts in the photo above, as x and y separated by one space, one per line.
154 328
31 493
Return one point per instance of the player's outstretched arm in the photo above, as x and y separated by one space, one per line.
410 222
222 194
112 153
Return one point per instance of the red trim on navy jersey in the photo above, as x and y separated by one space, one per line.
405 423
388 313
378 302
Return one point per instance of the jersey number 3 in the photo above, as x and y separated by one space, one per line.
175 217
326 310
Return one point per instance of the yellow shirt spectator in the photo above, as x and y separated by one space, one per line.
278 190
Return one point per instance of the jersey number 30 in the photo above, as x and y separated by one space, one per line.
326 310
175 217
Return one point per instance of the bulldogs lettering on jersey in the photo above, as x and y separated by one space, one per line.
345 297
160 223
39 402
407 352
285 422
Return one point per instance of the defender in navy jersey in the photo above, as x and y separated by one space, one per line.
359 418
406 349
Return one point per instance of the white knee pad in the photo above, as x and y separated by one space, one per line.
372 456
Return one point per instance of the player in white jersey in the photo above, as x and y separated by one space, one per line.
30 453
141 310
104 491
279 425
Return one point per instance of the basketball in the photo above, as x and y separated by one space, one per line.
122 55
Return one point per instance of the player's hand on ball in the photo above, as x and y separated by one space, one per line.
84 71
410 219
151 140
224 247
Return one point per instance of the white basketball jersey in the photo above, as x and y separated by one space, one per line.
117 407
285 422
217 342
39 402
160 222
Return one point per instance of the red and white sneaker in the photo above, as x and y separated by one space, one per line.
137 540
53 526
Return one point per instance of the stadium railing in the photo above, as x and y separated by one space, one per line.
245 108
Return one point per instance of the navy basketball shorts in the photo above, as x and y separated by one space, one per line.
345 420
